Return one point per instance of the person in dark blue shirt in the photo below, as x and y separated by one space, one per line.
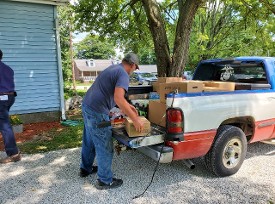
7 98
107 91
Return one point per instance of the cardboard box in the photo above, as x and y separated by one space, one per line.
157 111
169 79
182 87
130 128
155 86
219 86
212 89
165 80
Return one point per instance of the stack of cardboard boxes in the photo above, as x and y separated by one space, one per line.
165 85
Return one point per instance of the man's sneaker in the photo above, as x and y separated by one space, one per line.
114 184
84 173
12 158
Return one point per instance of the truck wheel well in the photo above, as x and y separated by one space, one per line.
244 123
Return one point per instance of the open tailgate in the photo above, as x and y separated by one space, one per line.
156 136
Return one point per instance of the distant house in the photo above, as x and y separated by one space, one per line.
30 43
87 70
151 68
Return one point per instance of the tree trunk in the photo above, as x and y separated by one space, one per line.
187 11
167 65
158 32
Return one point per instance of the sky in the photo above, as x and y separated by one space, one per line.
79 36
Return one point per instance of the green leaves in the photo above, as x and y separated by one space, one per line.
162 28
232 28
124 22
15 120
94 47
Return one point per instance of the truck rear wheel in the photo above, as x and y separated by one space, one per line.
227 152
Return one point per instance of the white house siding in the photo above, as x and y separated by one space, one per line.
28 41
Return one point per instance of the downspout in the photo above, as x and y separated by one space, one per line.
59 64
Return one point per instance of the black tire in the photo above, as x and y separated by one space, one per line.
227 152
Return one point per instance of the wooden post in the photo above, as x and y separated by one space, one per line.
72 61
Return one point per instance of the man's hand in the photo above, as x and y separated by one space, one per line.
138 123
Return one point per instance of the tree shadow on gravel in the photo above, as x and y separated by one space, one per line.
260 149
53 178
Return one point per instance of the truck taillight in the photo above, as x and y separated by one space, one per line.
174 124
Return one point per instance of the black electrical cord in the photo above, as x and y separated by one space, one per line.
156 167
152 178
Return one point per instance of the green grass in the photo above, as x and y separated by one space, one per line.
81 92
55 139
70 93
79 83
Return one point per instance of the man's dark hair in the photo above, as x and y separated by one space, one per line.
1 54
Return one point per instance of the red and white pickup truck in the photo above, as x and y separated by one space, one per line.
215 125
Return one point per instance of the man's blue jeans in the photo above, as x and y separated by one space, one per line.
5 126
97 142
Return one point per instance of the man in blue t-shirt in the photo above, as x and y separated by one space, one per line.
107 91
7 98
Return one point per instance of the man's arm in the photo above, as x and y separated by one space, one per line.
127 108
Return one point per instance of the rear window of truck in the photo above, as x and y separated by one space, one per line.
242 72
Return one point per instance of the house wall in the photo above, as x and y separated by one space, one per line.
52 2
86 73
28 41
77 73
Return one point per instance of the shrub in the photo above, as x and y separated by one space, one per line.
15 120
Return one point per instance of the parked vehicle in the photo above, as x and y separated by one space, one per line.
216 125
187 75
143 78
155 73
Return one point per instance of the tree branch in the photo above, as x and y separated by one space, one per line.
115 17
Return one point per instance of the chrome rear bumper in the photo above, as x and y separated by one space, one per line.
158 152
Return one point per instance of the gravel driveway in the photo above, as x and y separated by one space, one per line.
53 178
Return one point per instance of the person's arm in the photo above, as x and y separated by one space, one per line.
127 109
133 108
